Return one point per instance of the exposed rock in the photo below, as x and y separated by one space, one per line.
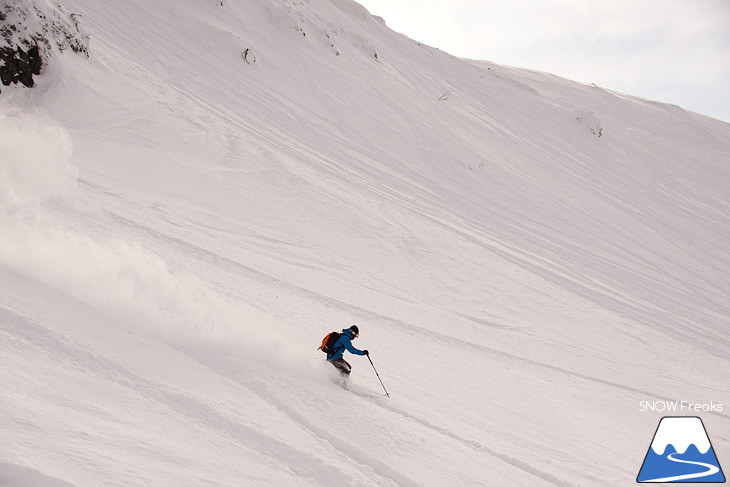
19 66
29 35
248 56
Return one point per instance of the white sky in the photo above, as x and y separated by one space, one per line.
674 51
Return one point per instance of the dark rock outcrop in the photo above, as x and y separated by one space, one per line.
30 33
19 66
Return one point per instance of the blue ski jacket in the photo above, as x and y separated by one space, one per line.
344 343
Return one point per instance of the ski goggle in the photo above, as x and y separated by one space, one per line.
355 335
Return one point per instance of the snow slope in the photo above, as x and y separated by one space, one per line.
527 259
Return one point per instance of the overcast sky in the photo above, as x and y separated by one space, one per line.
674 51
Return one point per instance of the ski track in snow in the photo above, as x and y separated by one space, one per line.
514 462
380 468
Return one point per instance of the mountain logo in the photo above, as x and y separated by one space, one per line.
681 452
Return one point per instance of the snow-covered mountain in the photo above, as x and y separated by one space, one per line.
185 214
681 452
680 432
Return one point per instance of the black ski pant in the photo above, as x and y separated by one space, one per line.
342 365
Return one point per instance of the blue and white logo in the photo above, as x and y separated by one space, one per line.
681 452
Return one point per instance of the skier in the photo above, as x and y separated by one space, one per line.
345 343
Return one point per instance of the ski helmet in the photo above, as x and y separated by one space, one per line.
355 330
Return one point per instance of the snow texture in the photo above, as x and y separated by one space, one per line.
186 213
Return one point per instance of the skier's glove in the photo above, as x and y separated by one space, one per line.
366 352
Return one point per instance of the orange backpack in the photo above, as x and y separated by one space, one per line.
329 341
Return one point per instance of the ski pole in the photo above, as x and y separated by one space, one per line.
376 373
